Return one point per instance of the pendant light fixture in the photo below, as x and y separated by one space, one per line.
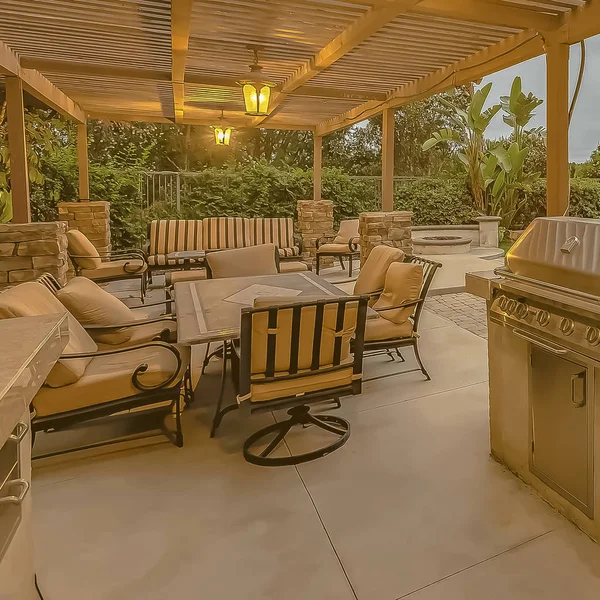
256 90
222 132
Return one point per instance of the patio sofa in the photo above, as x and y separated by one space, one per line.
218 233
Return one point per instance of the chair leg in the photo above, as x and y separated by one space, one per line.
207 358
418 357
299 415
178 431
350 265
220 413
341 262
318 263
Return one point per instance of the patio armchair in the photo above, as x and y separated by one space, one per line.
343 244
87 384
292 354
106 266
399 309
108 320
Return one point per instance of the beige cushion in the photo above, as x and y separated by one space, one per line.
372 274
348 231
79 245
243 262
91 305
337 248
116 268
382 329
402 284
33 299
173 277
292 266
108 378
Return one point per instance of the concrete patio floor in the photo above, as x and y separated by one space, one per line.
411 507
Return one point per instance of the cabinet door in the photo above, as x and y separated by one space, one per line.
561 392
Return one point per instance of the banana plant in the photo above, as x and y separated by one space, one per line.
467 137
518 109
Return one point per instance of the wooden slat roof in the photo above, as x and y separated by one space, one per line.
333 61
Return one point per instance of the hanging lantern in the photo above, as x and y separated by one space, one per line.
222 133
256 91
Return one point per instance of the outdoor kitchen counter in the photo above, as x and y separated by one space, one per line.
29 347
478 283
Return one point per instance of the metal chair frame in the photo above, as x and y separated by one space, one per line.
298 405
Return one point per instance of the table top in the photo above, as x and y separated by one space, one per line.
210 310
186 254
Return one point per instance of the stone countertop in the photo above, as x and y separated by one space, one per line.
29 347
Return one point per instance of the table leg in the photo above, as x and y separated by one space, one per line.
220 413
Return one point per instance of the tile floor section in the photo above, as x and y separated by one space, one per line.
466 310
411 507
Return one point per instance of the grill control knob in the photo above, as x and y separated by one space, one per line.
592 335
543 317
511 305
567 326
521 310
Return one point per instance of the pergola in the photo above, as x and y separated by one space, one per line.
335 63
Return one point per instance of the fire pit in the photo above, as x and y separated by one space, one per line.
441 244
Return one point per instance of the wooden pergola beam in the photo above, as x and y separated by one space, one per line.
356 33
490 13
37 85
181 13
504 54
578 24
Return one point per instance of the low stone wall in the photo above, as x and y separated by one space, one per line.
315 219
91 218
30 249
388 228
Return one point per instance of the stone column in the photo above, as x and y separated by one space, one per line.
315 219
30 249
389 228
91 218
488 231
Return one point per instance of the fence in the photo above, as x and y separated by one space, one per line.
171 187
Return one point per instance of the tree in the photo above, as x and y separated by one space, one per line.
467 136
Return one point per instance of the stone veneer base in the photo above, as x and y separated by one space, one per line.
388 228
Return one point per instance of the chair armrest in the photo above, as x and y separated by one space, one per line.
353 244
298 242
130 324
403 305
140 368
324 239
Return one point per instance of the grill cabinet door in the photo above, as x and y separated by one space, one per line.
560 399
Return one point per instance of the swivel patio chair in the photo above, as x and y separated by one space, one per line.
109 321
343 244
108 266
399 309
88 384
292 354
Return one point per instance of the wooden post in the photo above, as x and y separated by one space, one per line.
557 125
82 161
17 149
317 163
387 161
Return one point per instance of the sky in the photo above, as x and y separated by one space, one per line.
584 135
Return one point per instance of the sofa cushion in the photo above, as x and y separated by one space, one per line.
243 262
80 246
337 248
292 266
172 235
33 299
91 305
220 233
372 274
403 283
116 268
108 378
348 231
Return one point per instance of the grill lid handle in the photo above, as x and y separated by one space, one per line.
570 245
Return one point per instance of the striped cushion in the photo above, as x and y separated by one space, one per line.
174 235
278 231
289 252
225 232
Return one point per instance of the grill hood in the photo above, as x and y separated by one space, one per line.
563 251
